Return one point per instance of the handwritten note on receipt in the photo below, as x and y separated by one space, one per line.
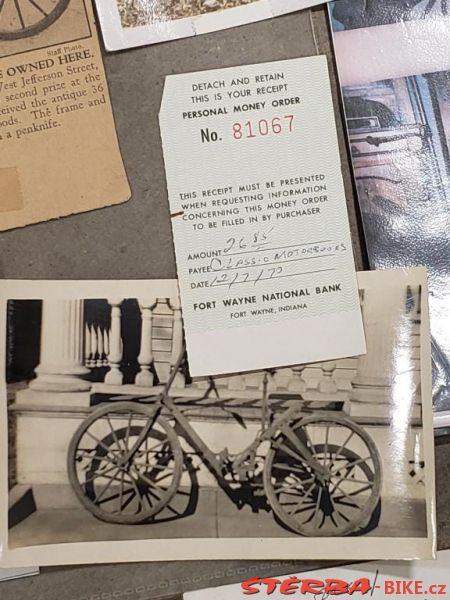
258 211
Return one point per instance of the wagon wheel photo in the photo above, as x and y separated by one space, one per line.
25 18
121 472
339 500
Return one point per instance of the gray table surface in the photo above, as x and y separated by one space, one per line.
134 240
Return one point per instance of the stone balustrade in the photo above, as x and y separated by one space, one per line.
77 341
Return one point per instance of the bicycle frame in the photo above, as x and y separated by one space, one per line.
270 434
212 461
215 462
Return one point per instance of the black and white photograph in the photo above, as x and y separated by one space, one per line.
130 23
135 13
36 24
111 440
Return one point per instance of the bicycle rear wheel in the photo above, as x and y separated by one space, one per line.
114 486
338 504
25 18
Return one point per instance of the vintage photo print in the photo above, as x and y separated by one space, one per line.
35 24
55 104
398 120
373 13
114 453
127 23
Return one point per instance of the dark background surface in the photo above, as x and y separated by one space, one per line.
134 240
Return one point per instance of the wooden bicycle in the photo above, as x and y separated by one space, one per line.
321 474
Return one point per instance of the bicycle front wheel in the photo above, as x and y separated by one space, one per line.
336 504
25 18
114 486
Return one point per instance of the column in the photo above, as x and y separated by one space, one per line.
61 365
177 339
115 376
88 354
383 312
145 358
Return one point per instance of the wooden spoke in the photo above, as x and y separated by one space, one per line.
351 480
127 436
296 503
344 495
285 487
19 14
304 496
338 452
338 514
123 505
344 478
138 494
153 492
163 477
122 481
147 480
106 488
301 482
317 509
325 460
98 474
154 466
351 464
152 499
308 437
92 457
290 468
38 7
115 496
152 449
114 434
290 453
102 445
182 493
353 505
303 510
173 511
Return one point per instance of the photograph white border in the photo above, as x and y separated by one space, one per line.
350 548
117 37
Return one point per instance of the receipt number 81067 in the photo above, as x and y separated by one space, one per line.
263 127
